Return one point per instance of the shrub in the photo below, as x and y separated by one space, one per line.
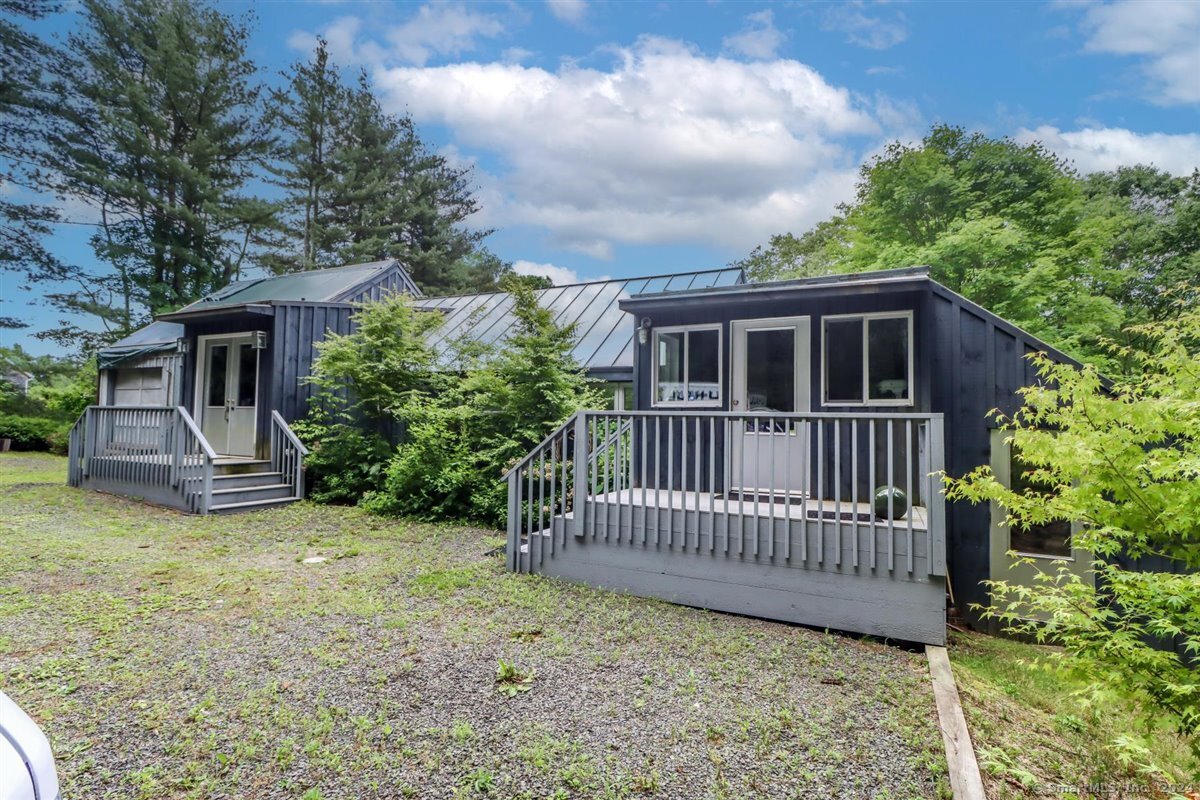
1125 461
33 433
345 462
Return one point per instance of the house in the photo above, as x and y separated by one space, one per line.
224 377
769 449
19 379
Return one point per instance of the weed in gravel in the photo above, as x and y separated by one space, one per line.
511 680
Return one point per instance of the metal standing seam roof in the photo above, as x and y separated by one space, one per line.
318 286
604 334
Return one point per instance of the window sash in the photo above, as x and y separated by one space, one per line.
687 330
865 355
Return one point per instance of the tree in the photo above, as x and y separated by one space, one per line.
24 222
1008 225
158 128
1124 461
306 114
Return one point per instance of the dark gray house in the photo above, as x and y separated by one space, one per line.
770 449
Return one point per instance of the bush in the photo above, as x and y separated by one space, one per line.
1125 461
34 433
345 462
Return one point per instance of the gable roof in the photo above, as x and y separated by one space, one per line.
604 333
346 284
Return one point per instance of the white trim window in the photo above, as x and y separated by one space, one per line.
687 366
867 359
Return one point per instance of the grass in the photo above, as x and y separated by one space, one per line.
169 656
1030 731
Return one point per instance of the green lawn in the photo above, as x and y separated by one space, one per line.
1031 731
174 656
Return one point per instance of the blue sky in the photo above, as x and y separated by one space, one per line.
617 139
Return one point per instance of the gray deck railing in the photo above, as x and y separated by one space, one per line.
287 455
665 475
154 452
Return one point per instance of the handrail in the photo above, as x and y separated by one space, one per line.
195 429
684 411
542 444
288 432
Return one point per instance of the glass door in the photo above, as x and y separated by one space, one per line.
228 393
770 376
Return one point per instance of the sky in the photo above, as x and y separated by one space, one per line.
622 139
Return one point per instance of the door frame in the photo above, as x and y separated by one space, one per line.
198 405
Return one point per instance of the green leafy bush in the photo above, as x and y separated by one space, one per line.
1124 460
33 433
345 461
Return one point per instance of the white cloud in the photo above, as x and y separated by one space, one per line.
569 11
559 276
1166 33
759 38
1101 149
664 146
437 29
876 32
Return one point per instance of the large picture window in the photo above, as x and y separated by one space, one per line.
867 359
687 366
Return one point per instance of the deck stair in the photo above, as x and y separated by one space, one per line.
248 485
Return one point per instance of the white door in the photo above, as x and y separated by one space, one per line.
770 374
228 393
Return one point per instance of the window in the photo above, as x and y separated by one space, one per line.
868 359
218 361
247 384
687 366
1047 539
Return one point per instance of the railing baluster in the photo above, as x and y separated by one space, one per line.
805 467
821 492
854 488
657 481
787 490
670 482
696 450
771 494
891 499
644 478
837 489
712 484
908 468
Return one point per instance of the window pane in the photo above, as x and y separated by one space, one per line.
670 367
1047 539
247 375
887 358
843 361
771 370
218 356
704 375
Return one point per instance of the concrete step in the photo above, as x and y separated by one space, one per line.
246 479
250 494
235 508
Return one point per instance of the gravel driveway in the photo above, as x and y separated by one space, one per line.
173 656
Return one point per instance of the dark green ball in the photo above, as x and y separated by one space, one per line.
899 502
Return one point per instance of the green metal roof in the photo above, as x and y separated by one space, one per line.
317 286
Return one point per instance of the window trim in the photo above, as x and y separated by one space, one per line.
866 358
686 329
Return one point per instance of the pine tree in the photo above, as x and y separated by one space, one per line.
158 126
305 114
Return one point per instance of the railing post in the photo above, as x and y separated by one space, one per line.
581 469
512 552
936 504
89 435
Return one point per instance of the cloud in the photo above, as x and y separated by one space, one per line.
437 29
559 276
759 38
866 30
569 11
1165 33
884 70
1101 149
665 145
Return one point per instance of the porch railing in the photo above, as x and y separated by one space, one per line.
155 452
742 484
287 455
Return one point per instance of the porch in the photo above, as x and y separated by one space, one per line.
159 454
770 515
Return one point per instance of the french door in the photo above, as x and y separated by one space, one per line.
770 373
227 392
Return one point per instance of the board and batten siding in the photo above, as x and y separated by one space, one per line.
299 327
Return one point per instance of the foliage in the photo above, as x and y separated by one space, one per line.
157 126
346 460
383 362
361 185
33 433
1123 460
1013 228
511 680
460 442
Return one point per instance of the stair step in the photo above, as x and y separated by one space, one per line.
233 508
246 479
250 494
242 466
